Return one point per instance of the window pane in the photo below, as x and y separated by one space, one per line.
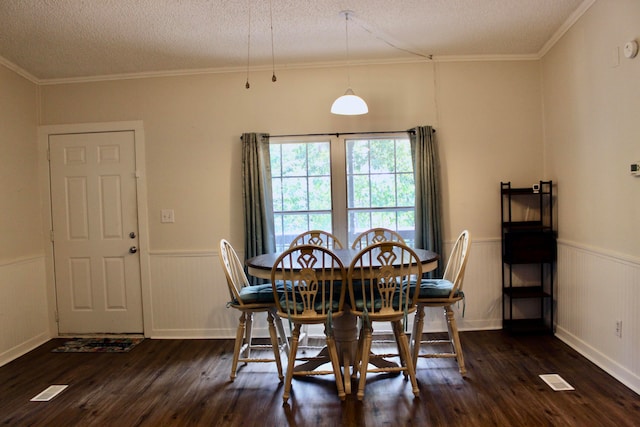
404 161
358 190
294 160
357 156
319 160
359 221
406 189
275 154
276 187
383 192
382 156
383 219
320 193
320 222
294 194
294 224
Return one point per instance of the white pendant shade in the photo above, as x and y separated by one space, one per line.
349 104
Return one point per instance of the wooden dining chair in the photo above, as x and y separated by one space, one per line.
366 238
306 281
443 293
378 293
376 235
248 300
317 237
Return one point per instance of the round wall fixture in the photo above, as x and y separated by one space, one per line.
631 49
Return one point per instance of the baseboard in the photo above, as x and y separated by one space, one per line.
23 348
605 363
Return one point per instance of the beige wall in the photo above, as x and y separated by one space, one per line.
19 192
592 132
487 114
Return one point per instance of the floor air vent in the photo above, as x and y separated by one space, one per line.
556 382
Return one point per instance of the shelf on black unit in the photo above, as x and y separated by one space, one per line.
526 292
527 326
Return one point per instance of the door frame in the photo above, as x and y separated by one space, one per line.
47 220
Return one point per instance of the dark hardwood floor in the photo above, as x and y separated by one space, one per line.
186 382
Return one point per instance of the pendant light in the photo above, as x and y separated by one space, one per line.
349 104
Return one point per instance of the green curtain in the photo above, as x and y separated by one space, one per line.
428 213
259 236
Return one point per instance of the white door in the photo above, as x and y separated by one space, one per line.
95 232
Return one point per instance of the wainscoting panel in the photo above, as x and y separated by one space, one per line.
189 295
595 291
23 307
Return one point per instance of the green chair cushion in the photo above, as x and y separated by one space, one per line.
257 294
435 288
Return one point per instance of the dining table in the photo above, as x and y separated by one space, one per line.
345 327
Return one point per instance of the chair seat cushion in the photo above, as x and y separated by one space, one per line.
435 288
257 294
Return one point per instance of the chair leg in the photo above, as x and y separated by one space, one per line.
274 343
416 335
238 345
455 338
364 359
293 348
358 356
248 335
335 361
404 350
397 330
282 336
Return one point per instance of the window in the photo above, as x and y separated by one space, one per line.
344 185
380 186
301 182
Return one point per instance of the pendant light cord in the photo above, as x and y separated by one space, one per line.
273 56
346 32
247 85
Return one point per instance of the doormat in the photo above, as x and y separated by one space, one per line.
98 345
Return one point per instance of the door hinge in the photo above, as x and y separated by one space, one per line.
51 235
48 155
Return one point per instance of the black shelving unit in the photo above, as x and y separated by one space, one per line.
528 257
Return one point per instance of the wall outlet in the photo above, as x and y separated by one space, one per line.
619 328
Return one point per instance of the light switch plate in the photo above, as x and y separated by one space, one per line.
167 215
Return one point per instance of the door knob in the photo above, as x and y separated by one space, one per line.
133 249
132 235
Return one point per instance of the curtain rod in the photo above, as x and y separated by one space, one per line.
337 134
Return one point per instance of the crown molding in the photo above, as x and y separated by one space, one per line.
566 26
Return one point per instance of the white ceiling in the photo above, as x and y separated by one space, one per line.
51 40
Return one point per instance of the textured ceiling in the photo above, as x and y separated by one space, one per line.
71 39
